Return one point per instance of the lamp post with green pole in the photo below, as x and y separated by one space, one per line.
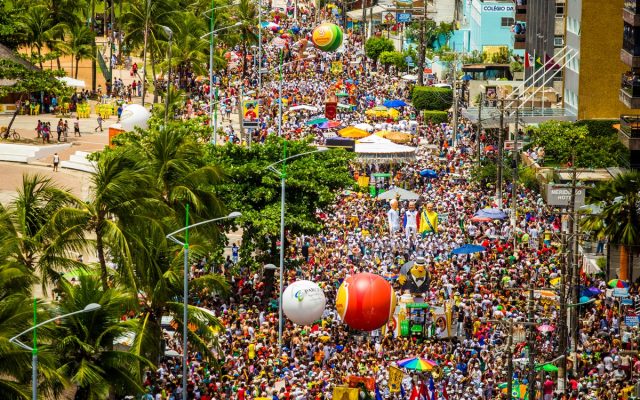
282 173
185 294
34 350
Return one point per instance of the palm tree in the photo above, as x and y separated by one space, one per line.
189 51
142 23
121 187
16 316
79 45
86 345
39 27
619 218
176 161
29 239
247 14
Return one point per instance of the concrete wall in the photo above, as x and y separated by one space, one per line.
600 64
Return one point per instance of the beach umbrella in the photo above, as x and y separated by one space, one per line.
547 367
394 103
417 364
467 77
480 219
353 132
342 94
546 328
428 173
380 108
617 283
584 299
493 213
316 121
468 249
594 291
489 148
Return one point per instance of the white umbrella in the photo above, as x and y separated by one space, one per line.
398 192
304 107
76 83
410 77
364 126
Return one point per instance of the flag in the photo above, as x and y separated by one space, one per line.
378 395
402 392
538 63
415 393
549 63
444 390
345 393
395 379
528 60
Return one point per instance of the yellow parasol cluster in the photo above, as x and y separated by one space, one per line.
353 133
394 136
382 111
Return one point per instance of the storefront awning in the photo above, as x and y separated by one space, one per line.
356 15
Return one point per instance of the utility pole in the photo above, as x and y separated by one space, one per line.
421 46
562 317
510 358
455 100
573 252
500 155
532 341
514 184
479 127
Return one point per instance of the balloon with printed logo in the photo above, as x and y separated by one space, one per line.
365 301
303 302
327 37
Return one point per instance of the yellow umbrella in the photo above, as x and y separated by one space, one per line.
353 132
398 137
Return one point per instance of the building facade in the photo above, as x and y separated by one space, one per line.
629 92
592 77
490 24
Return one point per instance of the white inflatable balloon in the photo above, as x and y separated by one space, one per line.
303 302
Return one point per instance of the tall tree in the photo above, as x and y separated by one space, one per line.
247 14
79 44
619 218
39 27
86 348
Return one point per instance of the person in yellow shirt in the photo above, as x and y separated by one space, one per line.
428 221
251 351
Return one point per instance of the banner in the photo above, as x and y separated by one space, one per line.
395 379
368 382
250 110
403 17
345 393
388 17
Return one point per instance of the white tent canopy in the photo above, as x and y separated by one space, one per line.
75 83
376 149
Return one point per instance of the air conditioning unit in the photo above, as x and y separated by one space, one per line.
558 42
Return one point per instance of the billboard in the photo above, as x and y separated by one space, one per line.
560 196
250 113
388 17
403 17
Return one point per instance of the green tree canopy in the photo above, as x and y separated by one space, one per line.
376 45
432 98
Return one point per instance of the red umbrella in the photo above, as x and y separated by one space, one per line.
334 124
480 219
489 148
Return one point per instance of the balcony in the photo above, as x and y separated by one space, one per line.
630 53
520 42
630 90
629 133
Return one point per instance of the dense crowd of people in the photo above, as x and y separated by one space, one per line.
489 291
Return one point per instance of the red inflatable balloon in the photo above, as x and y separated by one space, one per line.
365 301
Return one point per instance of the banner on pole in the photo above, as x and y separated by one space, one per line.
395 379
345 393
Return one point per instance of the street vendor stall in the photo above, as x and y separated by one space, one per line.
377 150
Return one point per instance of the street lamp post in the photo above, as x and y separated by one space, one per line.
169 33
213 112
185 301
34 350
282 173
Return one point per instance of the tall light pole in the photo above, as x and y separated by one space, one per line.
213 115
34 350
211 34
169 33
185 300
282 173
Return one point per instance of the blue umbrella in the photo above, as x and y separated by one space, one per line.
428 173
467 77
394 103
493 213
468 249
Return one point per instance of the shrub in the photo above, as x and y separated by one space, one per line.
435 117
599 127
374 46
432 98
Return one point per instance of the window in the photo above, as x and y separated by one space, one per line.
508 22
559 9
558 41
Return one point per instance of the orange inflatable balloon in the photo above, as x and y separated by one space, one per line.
365 301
